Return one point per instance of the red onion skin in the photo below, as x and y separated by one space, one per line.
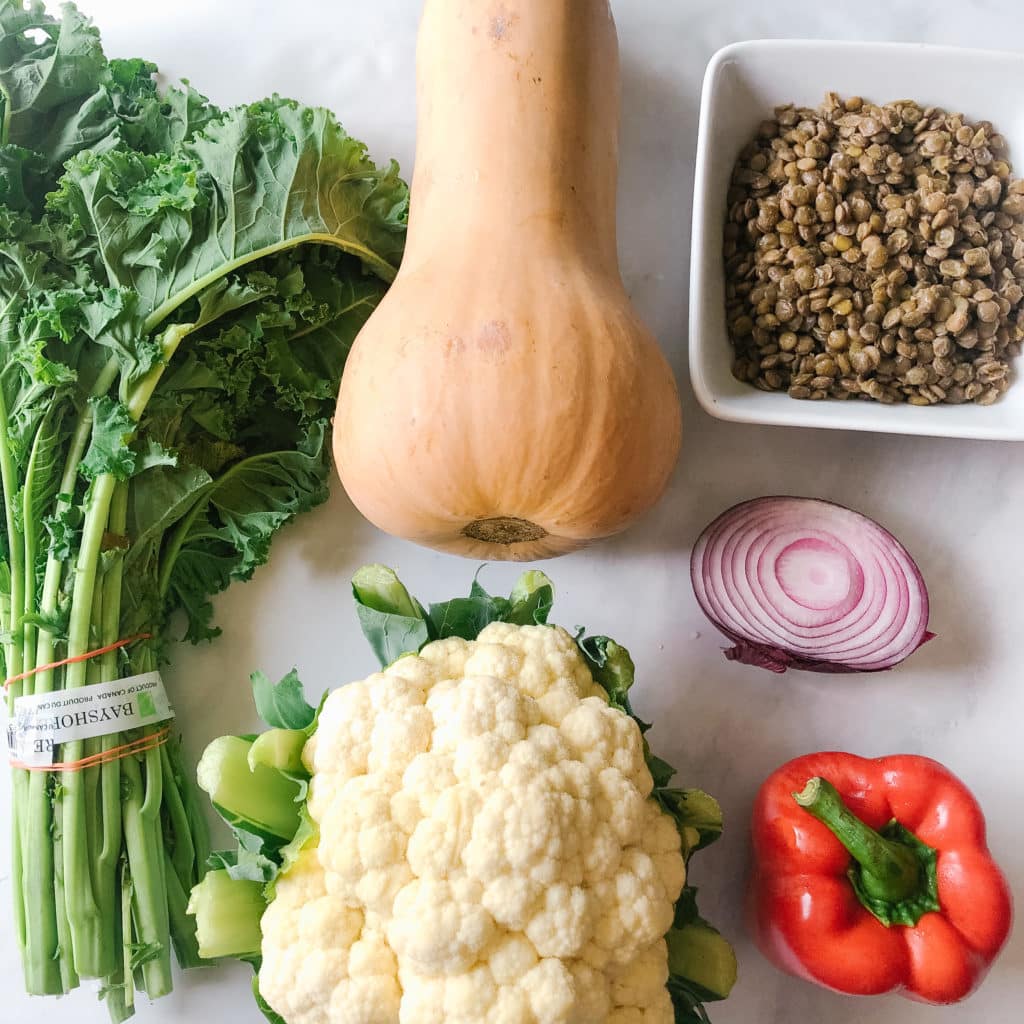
777 659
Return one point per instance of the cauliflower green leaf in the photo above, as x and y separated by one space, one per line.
392 622
243 865
282 705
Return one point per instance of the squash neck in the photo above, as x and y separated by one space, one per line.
518 111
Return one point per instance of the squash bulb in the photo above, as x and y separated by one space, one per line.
505 401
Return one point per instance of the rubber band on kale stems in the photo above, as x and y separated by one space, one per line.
807 584
151 741
74 660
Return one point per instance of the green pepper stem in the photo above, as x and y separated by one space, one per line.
889 870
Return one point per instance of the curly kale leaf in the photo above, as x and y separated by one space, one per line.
261 179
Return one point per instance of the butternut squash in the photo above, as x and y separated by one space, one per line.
505 401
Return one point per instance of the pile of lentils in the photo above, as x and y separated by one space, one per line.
877 253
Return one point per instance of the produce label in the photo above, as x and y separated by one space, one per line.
41 723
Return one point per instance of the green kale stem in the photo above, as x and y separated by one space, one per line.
41 899
94 953
118 988
143 838
182 859
90 880
13 649
130 800
69 977
31 862
367 256
183 927
103 783
86 844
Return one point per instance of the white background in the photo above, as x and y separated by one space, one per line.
957 505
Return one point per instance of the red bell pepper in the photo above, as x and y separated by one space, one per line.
873 876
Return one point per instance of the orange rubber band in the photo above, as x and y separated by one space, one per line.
139 746
77 658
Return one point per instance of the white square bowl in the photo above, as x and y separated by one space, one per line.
743 84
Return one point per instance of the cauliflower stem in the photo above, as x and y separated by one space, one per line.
478 833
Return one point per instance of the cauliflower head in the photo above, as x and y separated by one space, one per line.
489 849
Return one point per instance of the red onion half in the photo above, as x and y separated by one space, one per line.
801 583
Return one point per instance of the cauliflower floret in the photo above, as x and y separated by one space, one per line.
488 849
512 958
428 776
564 922
480 706
661 841
593 1000
636 909
550 655
447 658
551 991
422 998
436 846
643 980
441 927
324 962
344 729
600 735
363 850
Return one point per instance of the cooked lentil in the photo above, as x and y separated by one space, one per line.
875 252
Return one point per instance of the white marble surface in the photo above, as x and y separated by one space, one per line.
956 504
